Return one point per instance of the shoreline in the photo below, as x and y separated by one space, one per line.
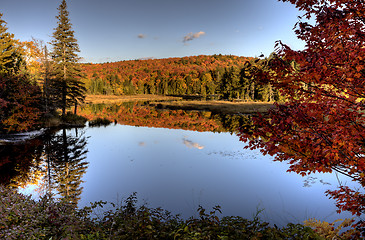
214 106
109 99
176 103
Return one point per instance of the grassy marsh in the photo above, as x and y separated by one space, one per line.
169 102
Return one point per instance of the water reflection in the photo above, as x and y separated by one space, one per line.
191 144
66 164
177 169
20 164
155 163
141 114
55 163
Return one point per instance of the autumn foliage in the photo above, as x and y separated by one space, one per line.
135 114
188 75
157 69
19 104
322 125
19 98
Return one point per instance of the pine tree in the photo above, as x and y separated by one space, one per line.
49 83
10 56
67 70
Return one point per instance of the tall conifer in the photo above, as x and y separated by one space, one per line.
64 54
10 56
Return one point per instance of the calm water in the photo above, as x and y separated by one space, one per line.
180 170
175 169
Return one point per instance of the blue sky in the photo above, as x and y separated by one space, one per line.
114 30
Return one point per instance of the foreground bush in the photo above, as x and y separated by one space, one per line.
24 218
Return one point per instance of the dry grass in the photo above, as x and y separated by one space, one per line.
108 99
217 106
176 103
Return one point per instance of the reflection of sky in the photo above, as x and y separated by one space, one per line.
164 173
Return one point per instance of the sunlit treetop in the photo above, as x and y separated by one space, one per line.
10 54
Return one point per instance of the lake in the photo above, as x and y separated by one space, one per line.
156 155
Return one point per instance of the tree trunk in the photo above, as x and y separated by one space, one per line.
64 89
271 94
64 99
75 112
253 91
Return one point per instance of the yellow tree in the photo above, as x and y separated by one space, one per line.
10 56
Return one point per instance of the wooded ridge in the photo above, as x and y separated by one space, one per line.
215 76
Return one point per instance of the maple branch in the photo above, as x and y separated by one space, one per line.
345 173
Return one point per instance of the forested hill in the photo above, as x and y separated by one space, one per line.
201 75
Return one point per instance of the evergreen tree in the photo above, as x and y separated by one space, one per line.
47 79
10 54
67 70
230 85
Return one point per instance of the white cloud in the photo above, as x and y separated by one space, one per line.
191 36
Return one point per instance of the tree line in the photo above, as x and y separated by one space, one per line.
217 76
35 83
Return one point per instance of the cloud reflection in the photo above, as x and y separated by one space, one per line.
191 144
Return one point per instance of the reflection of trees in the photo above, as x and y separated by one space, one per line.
136 114
58 158
232 122
140 114
20 164
66 165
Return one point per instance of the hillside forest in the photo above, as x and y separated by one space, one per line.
216 77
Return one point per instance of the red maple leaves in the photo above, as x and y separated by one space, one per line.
321 126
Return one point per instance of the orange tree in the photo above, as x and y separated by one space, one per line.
321 126
19 104
19 97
